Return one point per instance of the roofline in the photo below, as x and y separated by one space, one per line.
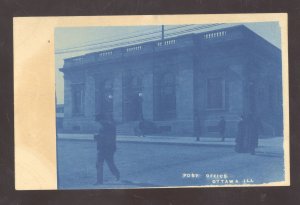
122 47
180 36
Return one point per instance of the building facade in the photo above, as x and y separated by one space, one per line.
180 84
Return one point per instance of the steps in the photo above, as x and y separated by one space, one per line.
127 128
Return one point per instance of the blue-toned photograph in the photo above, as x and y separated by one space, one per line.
169 106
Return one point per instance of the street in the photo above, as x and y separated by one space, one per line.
160 165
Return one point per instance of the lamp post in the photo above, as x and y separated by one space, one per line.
162 33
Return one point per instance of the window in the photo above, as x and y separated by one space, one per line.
167 97
77 99
215 93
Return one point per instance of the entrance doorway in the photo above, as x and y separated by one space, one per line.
132 99
104 98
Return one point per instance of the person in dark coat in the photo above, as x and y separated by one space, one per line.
222 126
106 147
248 132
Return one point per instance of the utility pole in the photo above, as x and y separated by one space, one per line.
162 33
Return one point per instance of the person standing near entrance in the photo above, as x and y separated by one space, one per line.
222 126
248 132
106 147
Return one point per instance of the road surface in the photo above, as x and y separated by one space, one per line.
157 165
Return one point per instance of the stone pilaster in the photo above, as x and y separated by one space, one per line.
89 97
147 105
184 95
236 89
117 97
67 97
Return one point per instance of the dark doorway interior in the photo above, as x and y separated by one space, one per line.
132 99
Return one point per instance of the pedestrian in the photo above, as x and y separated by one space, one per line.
106 147
240 138
221 126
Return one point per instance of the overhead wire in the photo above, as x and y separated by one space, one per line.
95 46
116 36
114 40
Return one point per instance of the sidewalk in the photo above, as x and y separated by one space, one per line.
266 145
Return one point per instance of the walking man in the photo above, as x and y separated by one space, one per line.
106 147
222 125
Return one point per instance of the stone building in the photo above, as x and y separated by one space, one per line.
179 83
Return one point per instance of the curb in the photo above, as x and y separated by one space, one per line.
178 143
161 143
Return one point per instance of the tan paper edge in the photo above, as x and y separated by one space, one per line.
34 86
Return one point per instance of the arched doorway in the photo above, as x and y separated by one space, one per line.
132 99
104 97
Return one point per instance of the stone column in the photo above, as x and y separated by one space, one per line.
89 97
184 102
67 121
235 96
67 97
235 89
185 95
147 104
117 97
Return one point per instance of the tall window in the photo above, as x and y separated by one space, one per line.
77 99
215 93
167 97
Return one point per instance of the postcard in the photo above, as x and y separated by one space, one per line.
131 102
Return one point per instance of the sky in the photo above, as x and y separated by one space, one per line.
103 38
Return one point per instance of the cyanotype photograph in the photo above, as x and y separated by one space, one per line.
157 106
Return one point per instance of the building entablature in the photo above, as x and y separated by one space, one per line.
178 43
